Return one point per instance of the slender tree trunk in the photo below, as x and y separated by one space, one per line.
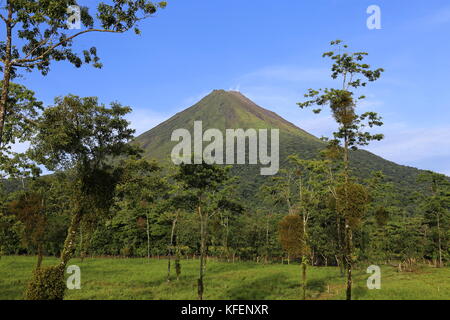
69 244
174 223
340 262
7 68
202 253
178 264
40 256
348 231
267 240
148 238
227 232
305 246
349 259
439 241
304 266
81 244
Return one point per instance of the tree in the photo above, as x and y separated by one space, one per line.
140 188
292 239
203 181
311 184
333 155
380 211
22 113
37 33
30 210
353 73
79 136
178 203
436 208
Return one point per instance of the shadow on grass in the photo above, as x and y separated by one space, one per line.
316 285
260 289
230 267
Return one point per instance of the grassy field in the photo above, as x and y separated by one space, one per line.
105 278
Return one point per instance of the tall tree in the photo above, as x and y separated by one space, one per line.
204 182
22 113
348 68
311 185
140 188
30 210
436 209
37 33
80 136
293 240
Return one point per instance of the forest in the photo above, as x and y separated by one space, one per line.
84 188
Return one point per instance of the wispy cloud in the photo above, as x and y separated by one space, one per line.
440 17
280 88
143 120
287 73
426 148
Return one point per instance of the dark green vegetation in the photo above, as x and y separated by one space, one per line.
114 278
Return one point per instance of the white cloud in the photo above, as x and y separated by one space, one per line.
287 73
318 125
440 17
143 120
421 147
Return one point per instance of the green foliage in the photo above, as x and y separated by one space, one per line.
351 133
353 73
352 203
35 23
292 237
47 284
37 34
29 209
81 137
201 178
23 110
78 132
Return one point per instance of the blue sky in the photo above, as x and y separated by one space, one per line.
271 52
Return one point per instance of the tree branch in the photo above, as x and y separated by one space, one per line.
17 62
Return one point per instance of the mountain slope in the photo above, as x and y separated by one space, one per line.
221 110
231 110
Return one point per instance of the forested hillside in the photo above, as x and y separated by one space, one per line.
232 110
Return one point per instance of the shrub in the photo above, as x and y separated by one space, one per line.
47 284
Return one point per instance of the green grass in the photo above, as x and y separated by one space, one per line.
107 278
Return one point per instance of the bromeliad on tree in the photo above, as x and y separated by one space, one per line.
350 70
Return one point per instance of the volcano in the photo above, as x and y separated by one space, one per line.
232 110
